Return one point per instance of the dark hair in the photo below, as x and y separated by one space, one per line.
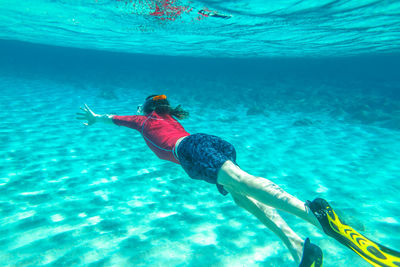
161 106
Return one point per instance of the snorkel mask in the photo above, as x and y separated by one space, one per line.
150 100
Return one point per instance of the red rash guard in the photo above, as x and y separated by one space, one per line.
159 131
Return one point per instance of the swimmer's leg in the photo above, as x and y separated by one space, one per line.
271 218
264 191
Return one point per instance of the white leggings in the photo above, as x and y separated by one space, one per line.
262 197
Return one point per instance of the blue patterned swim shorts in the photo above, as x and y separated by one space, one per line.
202 155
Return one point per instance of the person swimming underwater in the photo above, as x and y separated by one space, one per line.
212 159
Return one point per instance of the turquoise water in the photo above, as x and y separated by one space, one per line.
320 116
257 28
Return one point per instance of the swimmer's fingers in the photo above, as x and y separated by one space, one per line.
84 109
87 115
88 123
80 114
88 109
83 116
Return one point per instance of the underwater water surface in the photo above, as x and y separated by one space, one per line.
252 28
308 93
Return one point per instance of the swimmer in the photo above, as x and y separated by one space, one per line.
212 159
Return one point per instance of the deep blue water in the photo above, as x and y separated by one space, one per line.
308 93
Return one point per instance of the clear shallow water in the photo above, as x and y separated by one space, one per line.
307 92
257 28
71 195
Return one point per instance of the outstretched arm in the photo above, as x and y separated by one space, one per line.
134 122
106 118
92 117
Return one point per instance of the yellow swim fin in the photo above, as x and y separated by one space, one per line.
372 252
312 255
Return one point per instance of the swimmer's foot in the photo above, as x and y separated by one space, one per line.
312 255
372 252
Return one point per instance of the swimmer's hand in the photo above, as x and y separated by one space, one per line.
88 115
